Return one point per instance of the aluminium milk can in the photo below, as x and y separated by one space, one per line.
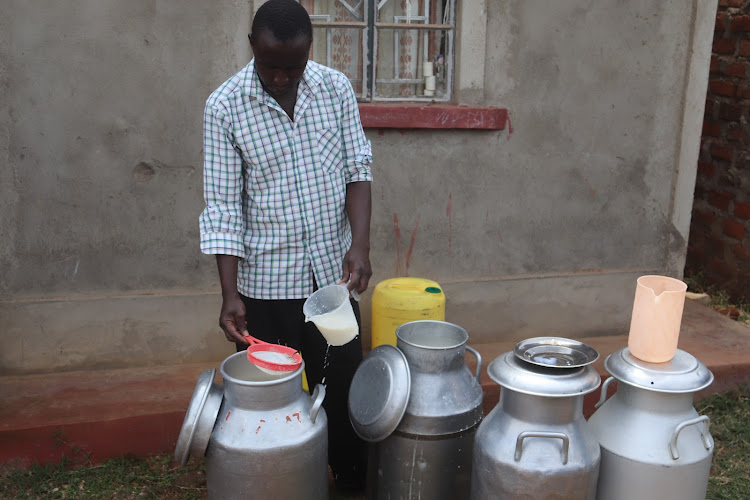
535 444
419 406
654 444
264 437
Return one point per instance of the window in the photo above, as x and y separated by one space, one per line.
391 50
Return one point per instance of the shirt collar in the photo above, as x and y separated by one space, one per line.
311 79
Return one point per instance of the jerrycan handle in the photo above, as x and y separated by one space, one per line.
479 363
318 395
705 436
542 434
605 386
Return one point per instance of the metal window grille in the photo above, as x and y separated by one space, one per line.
391 50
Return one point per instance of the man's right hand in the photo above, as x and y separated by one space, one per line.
232 320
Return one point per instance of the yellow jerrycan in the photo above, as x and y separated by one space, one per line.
397 301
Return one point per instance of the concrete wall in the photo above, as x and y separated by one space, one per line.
540 229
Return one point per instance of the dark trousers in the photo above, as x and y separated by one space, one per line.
282 322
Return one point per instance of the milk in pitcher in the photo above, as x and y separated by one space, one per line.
337 327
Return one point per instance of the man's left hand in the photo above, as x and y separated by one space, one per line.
357 270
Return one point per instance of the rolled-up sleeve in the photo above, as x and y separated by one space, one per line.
357 149
221 223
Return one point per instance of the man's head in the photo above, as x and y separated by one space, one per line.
281 36
284 19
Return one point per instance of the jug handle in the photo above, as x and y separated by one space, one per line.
705 436
541 434
605 386
318 395
479 363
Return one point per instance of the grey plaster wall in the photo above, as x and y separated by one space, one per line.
538 229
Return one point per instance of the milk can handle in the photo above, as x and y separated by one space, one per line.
605 385
479 363
540 434
705 436
318 395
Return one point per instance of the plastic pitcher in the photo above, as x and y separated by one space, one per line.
331 311
657 315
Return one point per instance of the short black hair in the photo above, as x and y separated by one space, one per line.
284 19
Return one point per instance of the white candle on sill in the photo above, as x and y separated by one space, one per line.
429 83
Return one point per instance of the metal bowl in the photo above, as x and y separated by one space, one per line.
555 352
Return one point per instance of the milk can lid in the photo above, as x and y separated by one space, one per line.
515 374
379 393
683 373
193 436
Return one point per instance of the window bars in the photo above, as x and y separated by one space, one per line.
391 50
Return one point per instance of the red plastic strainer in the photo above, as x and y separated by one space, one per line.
274 359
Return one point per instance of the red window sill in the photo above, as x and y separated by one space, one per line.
432 116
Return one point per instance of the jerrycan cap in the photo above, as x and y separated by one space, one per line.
379 393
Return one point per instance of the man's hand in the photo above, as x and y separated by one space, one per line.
357 270
232 320
356 266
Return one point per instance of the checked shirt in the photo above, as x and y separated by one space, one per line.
275 189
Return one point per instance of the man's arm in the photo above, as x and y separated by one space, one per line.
221 223
356 265
357 156
232 316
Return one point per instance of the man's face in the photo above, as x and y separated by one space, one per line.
280 65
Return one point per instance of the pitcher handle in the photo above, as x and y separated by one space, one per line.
541 434
318 395
705 436
603 398
479 363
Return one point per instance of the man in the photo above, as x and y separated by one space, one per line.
287 189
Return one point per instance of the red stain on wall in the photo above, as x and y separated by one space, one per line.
509 126
297 415
398 245
411 243
228 413
450 221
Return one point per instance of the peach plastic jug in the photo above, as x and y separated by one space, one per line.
657 314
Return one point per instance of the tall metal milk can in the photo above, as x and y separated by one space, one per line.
654 444
266 438
419 405
536 444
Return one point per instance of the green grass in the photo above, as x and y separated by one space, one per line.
123 478
158 478
730 428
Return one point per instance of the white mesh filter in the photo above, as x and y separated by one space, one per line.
273 357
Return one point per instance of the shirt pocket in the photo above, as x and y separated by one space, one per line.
328 145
